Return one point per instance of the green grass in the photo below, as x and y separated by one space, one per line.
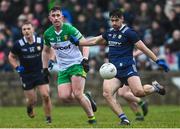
74 117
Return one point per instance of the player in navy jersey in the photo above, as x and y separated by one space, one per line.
121 41
27 51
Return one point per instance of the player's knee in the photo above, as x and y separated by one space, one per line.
78 95
107 95
64 98
46 97
139 93
32 101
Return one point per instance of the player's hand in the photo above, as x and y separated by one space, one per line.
51 64
20 69
163 64
85 64
74 40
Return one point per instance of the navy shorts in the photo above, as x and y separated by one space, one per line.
124 73
30 81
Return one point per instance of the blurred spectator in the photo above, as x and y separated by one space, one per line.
5 12
4 66
156 21
143 17
157 34
96 24
173 49
40 14
128 14
16 30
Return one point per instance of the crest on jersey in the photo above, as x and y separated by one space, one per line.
65 37
31 49
119 36
38 48
114 35
58 38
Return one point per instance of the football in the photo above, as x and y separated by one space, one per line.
108 71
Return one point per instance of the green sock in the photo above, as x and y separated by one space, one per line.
92 118
138 114
140 102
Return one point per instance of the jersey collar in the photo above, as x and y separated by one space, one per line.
123 25
26 40
58 33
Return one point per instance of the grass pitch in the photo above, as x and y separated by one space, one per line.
74 117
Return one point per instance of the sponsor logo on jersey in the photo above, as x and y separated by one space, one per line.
24 50
113 43
62 48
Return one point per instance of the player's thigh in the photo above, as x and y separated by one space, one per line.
65 90
111 86
78 76
123 90
44 89
78 83
135 85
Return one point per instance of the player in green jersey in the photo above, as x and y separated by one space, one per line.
73 66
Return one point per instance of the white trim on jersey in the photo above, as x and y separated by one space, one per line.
38 39
58 33
21 42
34 40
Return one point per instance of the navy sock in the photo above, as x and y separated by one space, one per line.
123 116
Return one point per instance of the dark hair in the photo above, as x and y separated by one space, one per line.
116 13
26 22
55 8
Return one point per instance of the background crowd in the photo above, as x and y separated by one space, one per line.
156 21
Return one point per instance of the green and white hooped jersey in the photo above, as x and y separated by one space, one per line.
67 54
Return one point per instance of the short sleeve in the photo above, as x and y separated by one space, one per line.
15 49
46 40
104 35
132 36
75 32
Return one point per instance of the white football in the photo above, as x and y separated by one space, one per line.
108 71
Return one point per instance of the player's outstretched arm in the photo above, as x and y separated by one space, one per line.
137 53
98 40
141 46
162 63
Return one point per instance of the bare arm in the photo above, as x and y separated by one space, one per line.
46 55
85 49
98 40
137 53
52 56
141 46
13 60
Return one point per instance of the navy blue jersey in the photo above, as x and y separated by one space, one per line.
29 54
121 44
